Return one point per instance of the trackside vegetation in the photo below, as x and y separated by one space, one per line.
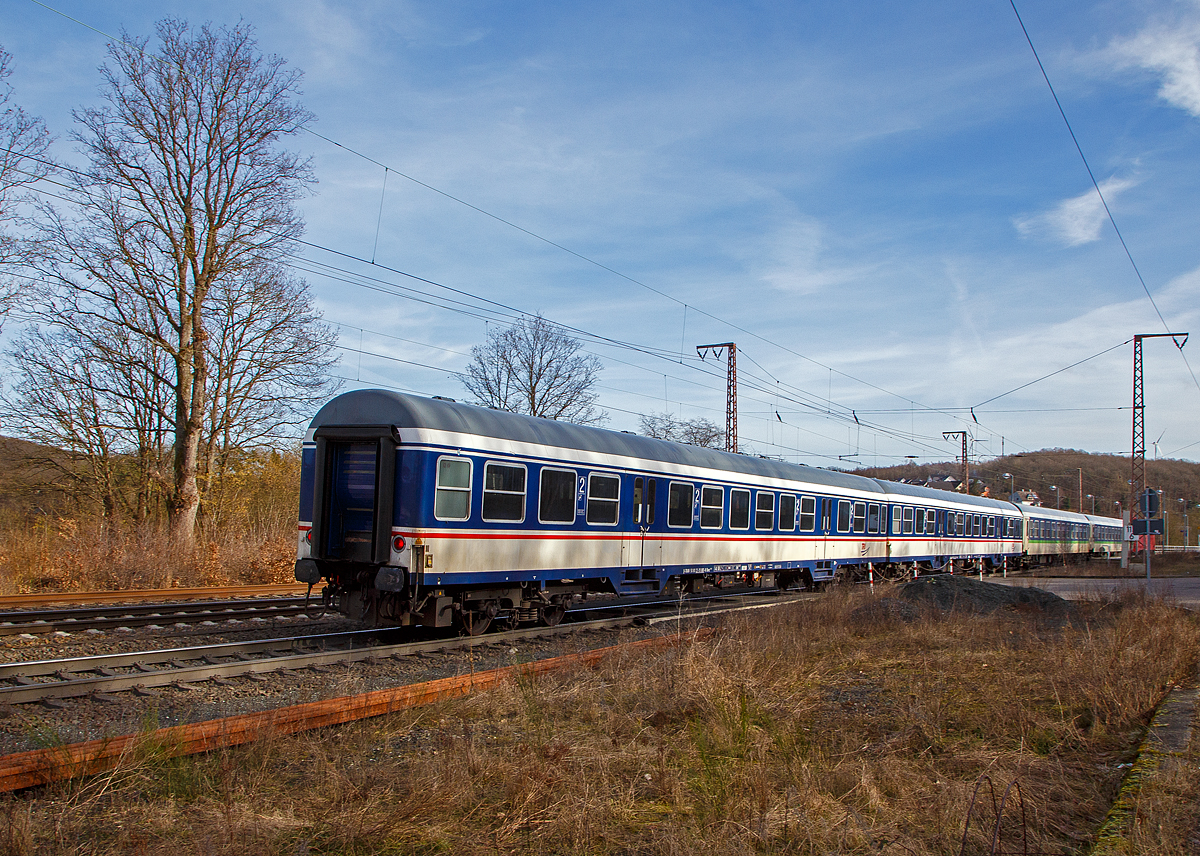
813 728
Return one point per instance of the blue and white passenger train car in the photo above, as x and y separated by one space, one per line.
425 511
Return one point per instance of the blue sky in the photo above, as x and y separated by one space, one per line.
878 202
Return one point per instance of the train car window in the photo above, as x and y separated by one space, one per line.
739 509
931 521
978 528
452 495
764 511
679 504
643 501
556 496
908 520
712 507
603 499
860 517
951 529
897 516
843 515
873 518
503 492
919 521
808 513
826 505
787 512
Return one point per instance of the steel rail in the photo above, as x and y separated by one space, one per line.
100 617
70 685
42 766
35 599
95 662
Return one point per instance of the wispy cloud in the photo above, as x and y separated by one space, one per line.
1075 221
792 259
1172 50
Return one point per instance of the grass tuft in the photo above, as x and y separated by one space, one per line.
802 729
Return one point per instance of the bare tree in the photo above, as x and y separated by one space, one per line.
101 401
694 432
187 190
271 354
104 394
24 142
534 367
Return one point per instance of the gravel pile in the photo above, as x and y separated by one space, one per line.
947 593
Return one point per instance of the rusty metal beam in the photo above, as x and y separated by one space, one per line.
42 766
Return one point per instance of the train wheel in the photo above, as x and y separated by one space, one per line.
475 623
550 616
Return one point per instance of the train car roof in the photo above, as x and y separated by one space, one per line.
1106 521
946 495
384 407
1054 513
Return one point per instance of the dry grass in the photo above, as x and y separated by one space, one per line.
63 554
800 730
1161 565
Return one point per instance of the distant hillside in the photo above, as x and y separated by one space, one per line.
31 478
1105 477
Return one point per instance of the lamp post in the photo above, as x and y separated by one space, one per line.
1093 499
1187 536
1011 488
1057 496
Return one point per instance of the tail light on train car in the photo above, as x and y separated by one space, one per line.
398 543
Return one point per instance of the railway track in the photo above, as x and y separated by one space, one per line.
74 619
101 675
37 600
